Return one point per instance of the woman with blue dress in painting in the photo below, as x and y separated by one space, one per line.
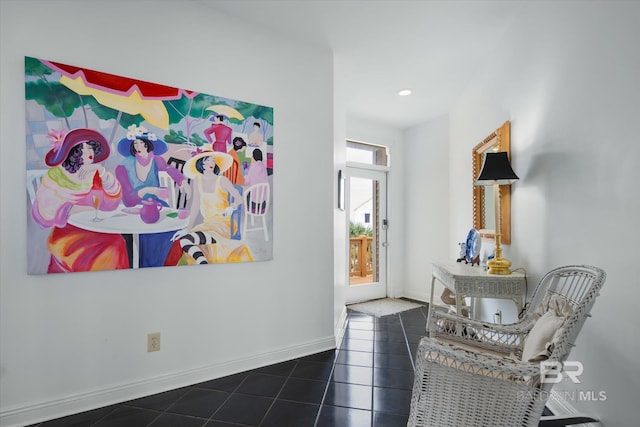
138 174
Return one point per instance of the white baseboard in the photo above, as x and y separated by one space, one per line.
418 296
340 325
35 412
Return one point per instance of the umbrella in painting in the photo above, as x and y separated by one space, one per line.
225 110
126 95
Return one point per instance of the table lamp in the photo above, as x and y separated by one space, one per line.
497 171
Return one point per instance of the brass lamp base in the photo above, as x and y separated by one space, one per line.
499 266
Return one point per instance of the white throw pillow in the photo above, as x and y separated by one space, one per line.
536 346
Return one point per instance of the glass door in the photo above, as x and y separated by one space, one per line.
365 196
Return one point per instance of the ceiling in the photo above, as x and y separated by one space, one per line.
381 46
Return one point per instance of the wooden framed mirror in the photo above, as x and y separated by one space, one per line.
483 209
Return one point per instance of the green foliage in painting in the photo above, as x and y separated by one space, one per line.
185 107
56 98
174 137
106 113
190 111
257 111
196 139
33 67
178 137
61 101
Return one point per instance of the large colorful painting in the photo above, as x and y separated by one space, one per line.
123 173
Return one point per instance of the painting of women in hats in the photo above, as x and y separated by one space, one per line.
116 191
210 215
77 181
138 175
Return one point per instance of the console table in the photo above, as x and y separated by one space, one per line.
475 282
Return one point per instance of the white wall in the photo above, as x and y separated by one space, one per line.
340 229
76 341
426 213
566 76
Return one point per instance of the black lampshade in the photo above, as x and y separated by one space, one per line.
496 170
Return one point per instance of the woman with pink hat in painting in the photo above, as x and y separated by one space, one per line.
76 180
210 203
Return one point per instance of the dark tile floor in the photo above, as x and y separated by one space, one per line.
366 382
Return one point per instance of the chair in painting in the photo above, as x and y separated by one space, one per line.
34 176
256 206
236 216
181 198
166 181
491 374
232 172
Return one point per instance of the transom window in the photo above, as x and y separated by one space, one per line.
369 154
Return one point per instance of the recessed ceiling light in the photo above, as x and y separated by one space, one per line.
404 92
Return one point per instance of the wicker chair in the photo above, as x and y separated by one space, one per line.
470 373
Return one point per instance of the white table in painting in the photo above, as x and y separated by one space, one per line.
127 221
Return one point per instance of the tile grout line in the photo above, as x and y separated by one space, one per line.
227 399
165 410
333 368
105 416
373 366
279 393
406 342
326 389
